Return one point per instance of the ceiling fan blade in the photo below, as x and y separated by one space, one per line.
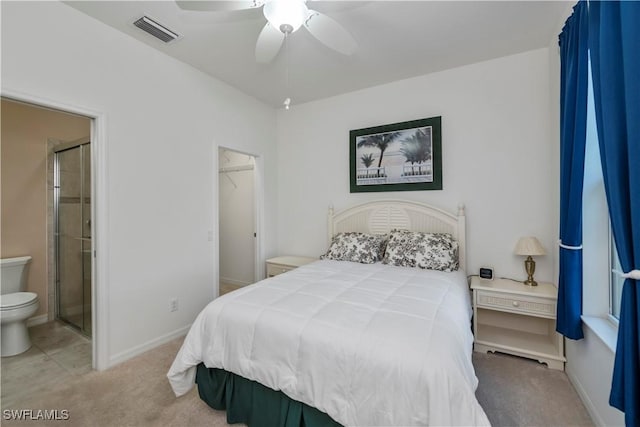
269 43
330 33
219 5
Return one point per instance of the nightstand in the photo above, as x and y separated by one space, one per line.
513 318
282 264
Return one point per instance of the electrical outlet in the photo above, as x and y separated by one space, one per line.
173 304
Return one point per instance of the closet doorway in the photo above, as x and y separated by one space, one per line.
237 219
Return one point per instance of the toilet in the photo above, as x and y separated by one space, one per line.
16 306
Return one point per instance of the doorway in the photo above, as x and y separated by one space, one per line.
236 219
95 128
72 225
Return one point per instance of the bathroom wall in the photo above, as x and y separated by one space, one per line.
23 149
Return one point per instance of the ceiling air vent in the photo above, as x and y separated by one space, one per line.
156 30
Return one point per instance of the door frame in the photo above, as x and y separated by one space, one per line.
99 225
258 203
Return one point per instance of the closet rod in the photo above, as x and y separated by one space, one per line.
236 169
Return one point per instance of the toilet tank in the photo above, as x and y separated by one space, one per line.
13 274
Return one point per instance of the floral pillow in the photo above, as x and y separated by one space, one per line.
356 247
432 251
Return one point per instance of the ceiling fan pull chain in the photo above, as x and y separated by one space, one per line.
287 101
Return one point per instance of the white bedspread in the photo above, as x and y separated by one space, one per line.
367 344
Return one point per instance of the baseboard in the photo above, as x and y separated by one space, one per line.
234 281
149 345
591 408
37 320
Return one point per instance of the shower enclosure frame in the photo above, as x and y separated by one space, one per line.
61 148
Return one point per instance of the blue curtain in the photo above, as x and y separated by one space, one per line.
574 63
615 58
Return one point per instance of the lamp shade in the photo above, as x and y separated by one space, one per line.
529 246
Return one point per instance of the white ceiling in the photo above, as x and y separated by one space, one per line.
396 40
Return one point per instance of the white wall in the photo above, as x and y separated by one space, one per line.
589 367
496 157
163 122
237 220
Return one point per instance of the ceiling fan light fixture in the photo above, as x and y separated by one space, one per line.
285 15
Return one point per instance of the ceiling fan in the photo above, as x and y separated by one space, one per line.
284 17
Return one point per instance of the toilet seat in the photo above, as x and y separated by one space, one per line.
17 300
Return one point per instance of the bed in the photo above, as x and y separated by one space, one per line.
338 342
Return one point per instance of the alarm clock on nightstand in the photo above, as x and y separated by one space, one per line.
486 273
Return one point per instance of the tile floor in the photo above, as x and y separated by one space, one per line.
78 319
58 353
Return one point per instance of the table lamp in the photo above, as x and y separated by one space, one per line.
529 246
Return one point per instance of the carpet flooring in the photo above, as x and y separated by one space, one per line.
513 391
520 392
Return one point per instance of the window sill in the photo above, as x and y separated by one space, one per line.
604 329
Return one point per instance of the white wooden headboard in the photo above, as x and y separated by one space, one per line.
382 216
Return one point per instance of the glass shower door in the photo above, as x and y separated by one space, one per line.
73 232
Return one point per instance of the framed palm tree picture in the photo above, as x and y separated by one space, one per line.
397 157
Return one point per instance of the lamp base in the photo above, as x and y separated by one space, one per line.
530 268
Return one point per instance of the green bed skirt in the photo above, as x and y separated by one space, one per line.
252 403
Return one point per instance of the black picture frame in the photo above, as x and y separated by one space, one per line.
405 156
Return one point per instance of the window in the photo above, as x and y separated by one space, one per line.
601 288
615 283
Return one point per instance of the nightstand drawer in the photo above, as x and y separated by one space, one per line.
517 304
275 269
